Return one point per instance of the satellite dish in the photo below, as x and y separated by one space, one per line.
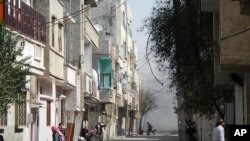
98 27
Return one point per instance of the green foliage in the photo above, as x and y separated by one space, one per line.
182 35
12 70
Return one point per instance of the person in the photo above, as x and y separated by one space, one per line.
191 130
218 131
62 129
1 138
150 129
99 130
57 134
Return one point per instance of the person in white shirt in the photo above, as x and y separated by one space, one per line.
218 131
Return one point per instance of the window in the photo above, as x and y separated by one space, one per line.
60 37
63 111
106 80
53 31
21 114
3 120
48 113
38 53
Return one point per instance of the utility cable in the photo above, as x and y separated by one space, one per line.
149 61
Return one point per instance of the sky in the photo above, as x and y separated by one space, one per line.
164 117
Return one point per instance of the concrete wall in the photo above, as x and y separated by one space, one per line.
234 44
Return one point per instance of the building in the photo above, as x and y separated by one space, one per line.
83 68
113 20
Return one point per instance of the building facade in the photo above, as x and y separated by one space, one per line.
83 66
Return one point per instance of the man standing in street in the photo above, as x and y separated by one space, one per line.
99 130
218 132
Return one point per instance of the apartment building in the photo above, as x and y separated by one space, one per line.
231 59
113 19
83 68
21 18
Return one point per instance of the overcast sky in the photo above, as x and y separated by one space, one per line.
164 118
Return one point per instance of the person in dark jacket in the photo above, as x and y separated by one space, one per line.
150 129
99 130
1 138
191 130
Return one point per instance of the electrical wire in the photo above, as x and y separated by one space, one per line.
149 61
65 17
74 15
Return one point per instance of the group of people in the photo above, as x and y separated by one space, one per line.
58 133
218 131
96 131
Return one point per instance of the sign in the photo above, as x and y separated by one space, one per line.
239 132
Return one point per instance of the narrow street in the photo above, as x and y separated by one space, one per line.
157 137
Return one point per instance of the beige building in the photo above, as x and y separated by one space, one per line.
113 19
83 67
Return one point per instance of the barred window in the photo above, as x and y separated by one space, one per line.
20 114
3 120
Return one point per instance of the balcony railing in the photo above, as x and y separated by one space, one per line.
107 96
24 19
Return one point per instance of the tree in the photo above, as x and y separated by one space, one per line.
182 35
12 70
148 103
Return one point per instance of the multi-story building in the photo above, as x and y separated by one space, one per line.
19 16
83 65
113 19
231 58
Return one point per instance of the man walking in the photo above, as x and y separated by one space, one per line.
218 132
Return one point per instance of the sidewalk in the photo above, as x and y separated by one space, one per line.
156 137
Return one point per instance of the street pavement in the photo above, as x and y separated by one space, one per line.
157 137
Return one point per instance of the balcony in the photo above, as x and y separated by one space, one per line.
24 19
234 40
222 81
210 5
107 96
91 94
70 74
92 36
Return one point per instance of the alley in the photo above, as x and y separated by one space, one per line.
157 137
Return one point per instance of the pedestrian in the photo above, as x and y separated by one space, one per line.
99 130
57 134
191 130
150 129
62 129
218 131
1 138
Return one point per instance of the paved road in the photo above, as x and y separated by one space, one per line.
157 137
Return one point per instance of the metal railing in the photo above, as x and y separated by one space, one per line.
24 19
